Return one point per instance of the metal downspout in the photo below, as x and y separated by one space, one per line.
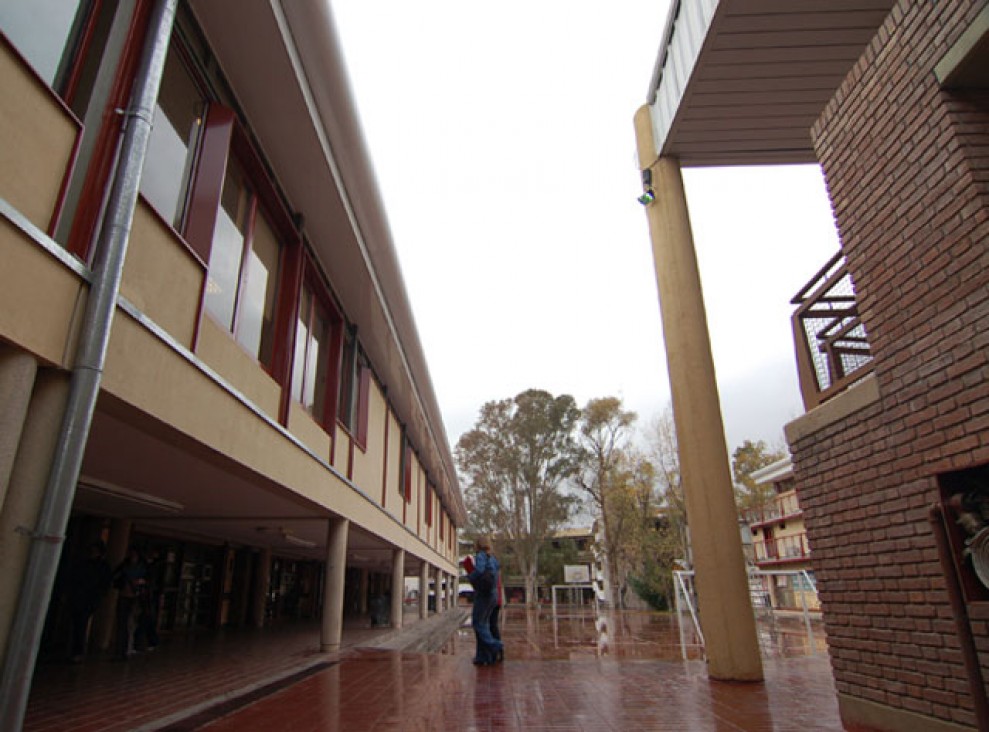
48 535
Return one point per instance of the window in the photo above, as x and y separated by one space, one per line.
244 262
47 34
313 347
429 505
178 122
405 487
355 381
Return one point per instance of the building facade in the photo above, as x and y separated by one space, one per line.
779 541
889 97
263 424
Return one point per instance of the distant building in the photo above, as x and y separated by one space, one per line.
779 540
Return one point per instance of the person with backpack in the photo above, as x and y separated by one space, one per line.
483 573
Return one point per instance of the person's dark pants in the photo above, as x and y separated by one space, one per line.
147 624
493 623
124 629
80 626
487 645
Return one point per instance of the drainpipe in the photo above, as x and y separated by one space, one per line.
48 535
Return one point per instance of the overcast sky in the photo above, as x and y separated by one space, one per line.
502 138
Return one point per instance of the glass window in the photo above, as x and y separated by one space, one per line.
256 322
44 32
310 367
178 121
227 251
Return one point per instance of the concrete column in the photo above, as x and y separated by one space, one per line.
26 488
726 615
362 600
116 549
424 590
331 629
17 374
397 586
262 577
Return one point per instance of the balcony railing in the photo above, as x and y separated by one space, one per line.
780 508
831 343
782 549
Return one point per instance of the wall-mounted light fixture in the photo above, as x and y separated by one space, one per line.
648 194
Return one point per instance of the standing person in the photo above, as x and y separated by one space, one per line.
87 584
149 600
483 575
130 579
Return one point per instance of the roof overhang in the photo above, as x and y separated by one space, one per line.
741 82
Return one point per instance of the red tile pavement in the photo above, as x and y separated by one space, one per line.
618 672
382 690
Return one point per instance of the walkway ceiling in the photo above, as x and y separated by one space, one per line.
166 483
741 82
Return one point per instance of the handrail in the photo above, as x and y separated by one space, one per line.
831 342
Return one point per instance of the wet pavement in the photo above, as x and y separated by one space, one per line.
619 671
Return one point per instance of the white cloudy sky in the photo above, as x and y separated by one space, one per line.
502 138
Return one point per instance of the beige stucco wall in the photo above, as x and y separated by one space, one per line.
40 298
161 277
308 431
218 349
38 136
341 451
369 462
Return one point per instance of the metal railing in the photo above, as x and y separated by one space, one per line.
831 343
781 549
779 508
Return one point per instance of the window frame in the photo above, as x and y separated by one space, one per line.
313 280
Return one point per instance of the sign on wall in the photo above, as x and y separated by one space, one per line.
576 574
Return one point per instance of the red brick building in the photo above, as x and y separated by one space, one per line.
892 99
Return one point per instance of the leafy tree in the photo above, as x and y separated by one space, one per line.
605 433
748 458
515 462
663 452
663 537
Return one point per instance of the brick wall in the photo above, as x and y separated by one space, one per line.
907 167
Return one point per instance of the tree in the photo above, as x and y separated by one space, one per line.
515 462
664 454
748 458
605 432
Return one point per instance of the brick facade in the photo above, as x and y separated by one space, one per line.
907 168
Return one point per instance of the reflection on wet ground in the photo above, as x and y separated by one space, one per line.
614 672
579 632
578 670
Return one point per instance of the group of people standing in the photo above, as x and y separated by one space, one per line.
137 604
136 618
483 572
